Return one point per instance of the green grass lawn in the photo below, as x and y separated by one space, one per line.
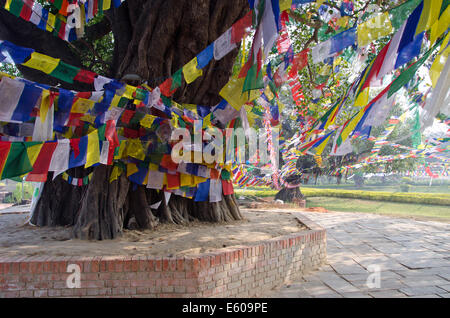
346 199
420 211
382 188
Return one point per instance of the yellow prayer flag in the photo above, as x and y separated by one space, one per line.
251 117
268 93
430 14
343 22
6 75
131 169
45 104
440 26
319 3
51 20
374 29
198 180
147 121
207 121
8 5
33 152
82 105
106 5
153 167
146 178
129 90
232 93
42 62
244 51
285 5
115 101
135 149
186 180
174 120
351 125
191 107
363 97
439 62
93 150
88 118
191 72
117 171
325 70
122 148
322 146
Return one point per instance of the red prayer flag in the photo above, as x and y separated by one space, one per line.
85 76
26 9
168 164
127 115
42 163
4 151
239 28
75 145
301 59
227 187
165 88
173 180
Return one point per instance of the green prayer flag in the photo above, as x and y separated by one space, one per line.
253 80
166 101
135 120
399 14
123 101
407 74
176 79
101 132
65 72
225 174
16 7
17 162
140 94
57 27
57 4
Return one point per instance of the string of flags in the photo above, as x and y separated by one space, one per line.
47 129
61 24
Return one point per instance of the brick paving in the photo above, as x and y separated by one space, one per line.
413 258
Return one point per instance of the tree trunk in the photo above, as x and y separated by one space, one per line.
290 195
153 39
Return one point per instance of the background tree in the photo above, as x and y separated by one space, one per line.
324 83
151 39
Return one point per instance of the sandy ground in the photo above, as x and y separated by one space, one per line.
166 240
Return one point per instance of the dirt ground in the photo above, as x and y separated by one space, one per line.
166 240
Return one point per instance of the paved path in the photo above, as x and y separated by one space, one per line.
413 257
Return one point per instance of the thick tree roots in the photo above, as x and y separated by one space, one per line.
102 209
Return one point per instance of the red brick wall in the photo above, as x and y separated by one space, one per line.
242 271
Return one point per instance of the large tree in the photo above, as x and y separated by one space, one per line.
151 39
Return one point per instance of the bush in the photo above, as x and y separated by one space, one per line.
410 197
16 196
404 187
407 180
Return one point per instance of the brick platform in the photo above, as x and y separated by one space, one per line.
241 271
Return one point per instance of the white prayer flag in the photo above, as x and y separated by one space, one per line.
223 45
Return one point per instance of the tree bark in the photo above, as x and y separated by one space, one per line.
152 39
290 195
